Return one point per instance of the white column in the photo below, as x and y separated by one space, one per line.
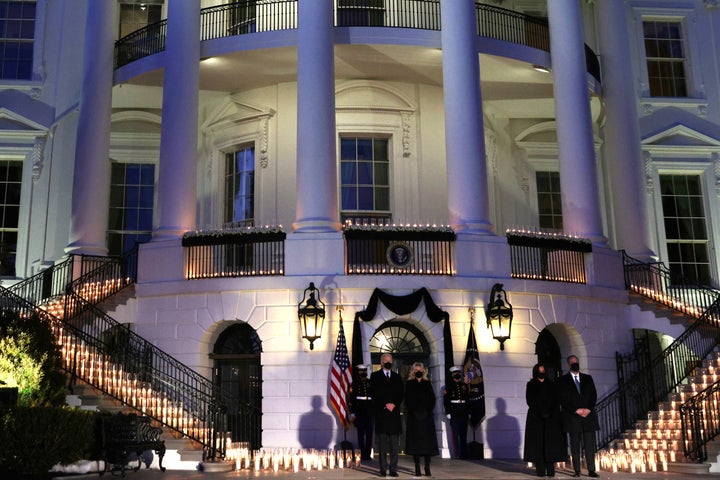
317 195
464 135
91 177
622 151
178 141
578 172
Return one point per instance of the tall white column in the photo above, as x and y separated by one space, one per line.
317 195
178 141
623 154
91 177
578 172
468 194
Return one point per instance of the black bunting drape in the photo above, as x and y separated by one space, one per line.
402 305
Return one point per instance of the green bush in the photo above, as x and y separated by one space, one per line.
30 360
35 439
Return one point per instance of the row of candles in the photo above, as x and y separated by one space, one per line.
667 300
124 385
634 461
290 459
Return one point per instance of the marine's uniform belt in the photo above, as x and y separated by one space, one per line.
457 401
363 398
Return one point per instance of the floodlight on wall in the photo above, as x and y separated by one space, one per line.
311 315
499 315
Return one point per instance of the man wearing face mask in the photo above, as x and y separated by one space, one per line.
455 400
387 395
579 419
361 410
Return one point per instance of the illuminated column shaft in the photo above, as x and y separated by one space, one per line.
317 196
578 173
91 177
468 201
178 135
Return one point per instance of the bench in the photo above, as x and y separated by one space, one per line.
124 437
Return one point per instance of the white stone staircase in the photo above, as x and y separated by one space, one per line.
656 443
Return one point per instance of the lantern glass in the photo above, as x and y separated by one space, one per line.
499 315
311 315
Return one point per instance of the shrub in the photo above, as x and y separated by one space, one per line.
30 360
34 439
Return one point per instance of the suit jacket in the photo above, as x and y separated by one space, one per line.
571 400
386 391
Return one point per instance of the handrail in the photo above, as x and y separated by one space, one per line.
700 422
46 284
88 329
248 16
644 389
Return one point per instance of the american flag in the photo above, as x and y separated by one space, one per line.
340 378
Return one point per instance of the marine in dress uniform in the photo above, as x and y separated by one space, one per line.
361 411
455 399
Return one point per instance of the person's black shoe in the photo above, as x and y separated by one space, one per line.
382 474
593 474
576 474
394 474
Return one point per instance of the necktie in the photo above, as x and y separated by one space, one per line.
387 374
577 382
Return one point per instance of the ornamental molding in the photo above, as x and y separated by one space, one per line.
716 168
649 172
38 156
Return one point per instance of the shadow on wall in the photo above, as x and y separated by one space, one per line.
316 427
503 433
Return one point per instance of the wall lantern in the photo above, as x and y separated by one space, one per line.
312 314
499 315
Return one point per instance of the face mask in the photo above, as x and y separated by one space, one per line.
541 375
575 367
418 374
457 377
387 365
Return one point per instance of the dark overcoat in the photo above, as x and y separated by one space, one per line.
386 391
571 400
544 438
420 436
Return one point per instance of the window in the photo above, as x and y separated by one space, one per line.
685 229
132 194
10 181
665 54
240 186
365 179
17 32
137 15
549 201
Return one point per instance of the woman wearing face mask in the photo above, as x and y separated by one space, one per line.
544 440
420 439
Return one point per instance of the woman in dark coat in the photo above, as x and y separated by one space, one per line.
420 436
544 440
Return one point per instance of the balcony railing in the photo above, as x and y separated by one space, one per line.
547 256
249 16
234 253
399 250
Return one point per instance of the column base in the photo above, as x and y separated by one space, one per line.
80 248
316 226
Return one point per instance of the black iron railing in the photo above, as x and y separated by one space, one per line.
641 391
249 16
700 422
234 253
372 250
141 43
542 257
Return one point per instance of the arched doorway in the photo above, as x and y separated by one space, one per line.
237 372
404 341
547 350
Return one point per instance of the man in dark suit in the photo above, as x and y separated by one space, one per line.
387 395
579 419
